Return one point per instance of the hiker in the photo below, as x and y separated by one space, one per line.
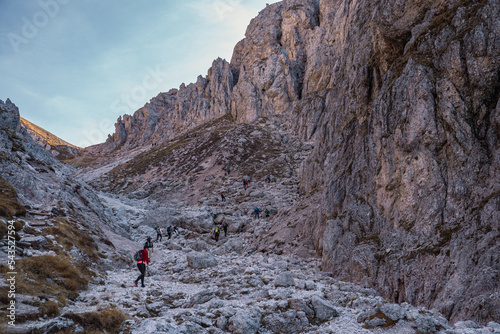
169 232
223 198
256 212
142 262
217 232
245 183
158 234
268 178
174 230
224 227
149 244
228 171
267 212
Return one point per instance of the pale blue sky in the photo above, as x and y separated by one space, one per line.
74 66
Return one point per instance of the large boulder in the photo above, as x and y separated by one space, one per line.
196 260
245 322
323 309
291 321
284 279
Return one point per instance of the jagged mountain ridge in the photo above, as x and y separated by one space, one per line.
45 136
58 147
402 102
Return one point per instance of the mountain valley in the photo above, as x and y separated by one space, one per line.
368 134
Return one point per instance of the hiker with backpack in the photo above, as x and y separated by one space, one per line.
216 233
142 258
223 198
149 244
158 233
267 212
224 227
268 178
245 184
256 212
169 232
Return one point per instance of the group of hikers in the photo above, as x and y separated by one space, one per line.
246 182
170 231
256 213
217 230
142 256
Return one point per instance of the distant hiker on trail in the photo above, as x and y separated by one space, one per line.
169 232
245 184
149 244
223 198
174 230
256 212
228 171
268 178
224 227
142 258
267 212
216 233
158 233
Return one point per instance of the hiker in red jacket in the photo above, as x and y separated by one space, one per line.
141 264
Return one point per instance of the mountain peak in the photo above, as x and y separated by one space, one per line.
58 147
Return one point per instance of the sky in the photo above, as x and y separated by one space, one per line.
74 66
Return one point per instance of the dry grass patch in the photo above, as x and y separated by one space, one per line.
9 206
106 321
69 236
50 276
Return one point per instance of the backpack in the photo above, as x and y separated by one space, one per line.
216 230
138 256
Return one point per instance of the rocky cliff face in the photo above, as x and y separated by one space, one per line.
402 101
176 111
39 184
408 151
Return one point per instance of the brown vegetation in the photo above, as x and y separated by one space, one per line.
106 321
69 236
50 275
9 206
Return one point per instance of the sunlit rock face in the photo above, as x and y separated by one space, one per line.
176 111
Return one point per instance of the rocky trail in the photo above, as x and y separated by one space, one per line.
197 285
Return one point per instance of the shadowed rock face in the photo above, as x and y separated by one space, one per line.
409 157
402 101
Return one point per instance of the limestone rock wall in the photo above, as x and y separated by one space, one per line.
408 151
401 100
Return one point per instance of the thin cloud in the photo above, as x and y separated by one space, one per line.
90 55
